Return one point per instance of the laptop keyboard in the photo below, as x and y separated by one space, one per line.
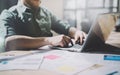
74 48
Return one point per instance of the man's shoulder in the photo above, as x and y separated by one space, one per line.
8 12
13 9
44 9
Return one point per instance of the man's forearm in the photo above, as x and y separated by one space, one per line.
25 42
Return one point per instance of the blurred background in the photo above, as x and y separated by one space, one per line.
81 13
78 13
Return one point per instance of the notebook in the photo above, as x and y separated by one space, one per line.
98 34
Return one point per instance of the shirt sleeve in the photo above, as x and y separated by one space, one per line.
59 26
7 21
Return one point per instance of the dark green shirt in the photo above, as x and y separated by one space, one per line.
21 20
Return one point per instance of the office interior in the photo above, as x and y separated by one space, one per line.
78 13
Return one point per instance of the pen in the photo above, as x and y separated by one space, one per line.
113 73
112 57
71 43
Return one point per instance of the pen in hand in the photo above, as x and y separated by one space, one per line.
71 42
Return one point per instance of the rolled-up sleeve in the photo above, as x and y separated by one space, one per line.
7 20
60 26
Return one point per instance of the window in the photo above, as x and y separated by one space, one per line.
75 11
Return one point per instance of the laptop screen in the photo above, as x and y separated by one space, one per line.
99 32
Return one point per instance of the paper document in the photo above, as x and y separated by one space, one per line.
65 63
104 70
27 62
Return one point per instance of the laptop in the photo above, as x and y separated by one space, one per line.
98 34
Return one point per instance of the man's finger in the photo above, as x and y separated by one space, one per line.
67 41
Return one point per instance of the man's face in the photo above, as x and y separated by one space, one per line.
33 3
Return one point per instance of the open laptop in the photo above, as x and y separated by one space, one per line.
98 34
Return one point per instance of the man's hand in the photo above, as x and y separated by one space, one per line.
60 40
77 35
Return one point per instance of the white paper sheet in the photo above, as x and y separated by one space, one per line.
27 62
104 70
65 63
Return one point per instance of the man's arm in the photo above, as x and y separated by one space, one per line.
62 27
25 42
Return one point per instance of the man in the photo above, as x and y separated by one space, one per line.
29 25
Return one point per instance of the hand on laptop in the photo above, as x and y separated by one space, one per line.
60 41
79 37
66 41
